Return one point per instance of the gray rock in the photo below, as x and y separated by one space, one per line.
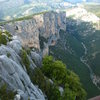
61 90
37 59
12 72
15 45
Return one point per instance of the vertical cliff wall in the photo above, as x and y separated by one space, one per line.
45 26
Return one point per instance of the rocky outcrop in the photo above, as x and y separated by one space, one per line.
45 25
14 74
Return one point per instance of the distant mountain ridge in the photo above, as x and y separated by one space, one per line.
11 9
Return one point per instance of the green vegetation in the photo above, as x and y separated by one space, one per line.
92 43
25 59
95 63
4 37
69 50
8 34
84 32
37 77
51 90
8 54
91 40
6 94
28 50
52 75
63 77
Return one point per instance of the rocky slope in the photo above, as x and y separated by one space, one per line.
14 74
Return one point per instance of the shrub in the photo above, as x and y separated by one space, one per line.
6 94
8 54
51 90
8 34
4 37
28 50
65 78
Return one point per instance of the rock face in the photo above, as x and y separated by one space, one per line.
14 74
26 31
45 25
39 32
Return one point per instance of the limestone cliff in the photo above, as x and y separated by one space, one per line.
45 26
39 32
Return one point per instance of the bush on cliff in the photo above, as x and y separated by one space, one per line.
4 37
51 90
65 78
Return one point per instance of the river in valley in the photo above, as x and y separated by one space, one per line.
95 79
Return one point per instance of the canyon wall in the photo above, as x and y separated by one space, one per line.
45 26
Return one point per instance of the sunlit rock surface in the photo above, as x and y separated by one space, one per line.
14 74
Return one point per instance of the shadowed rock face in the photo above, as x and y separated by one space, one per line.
46 25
